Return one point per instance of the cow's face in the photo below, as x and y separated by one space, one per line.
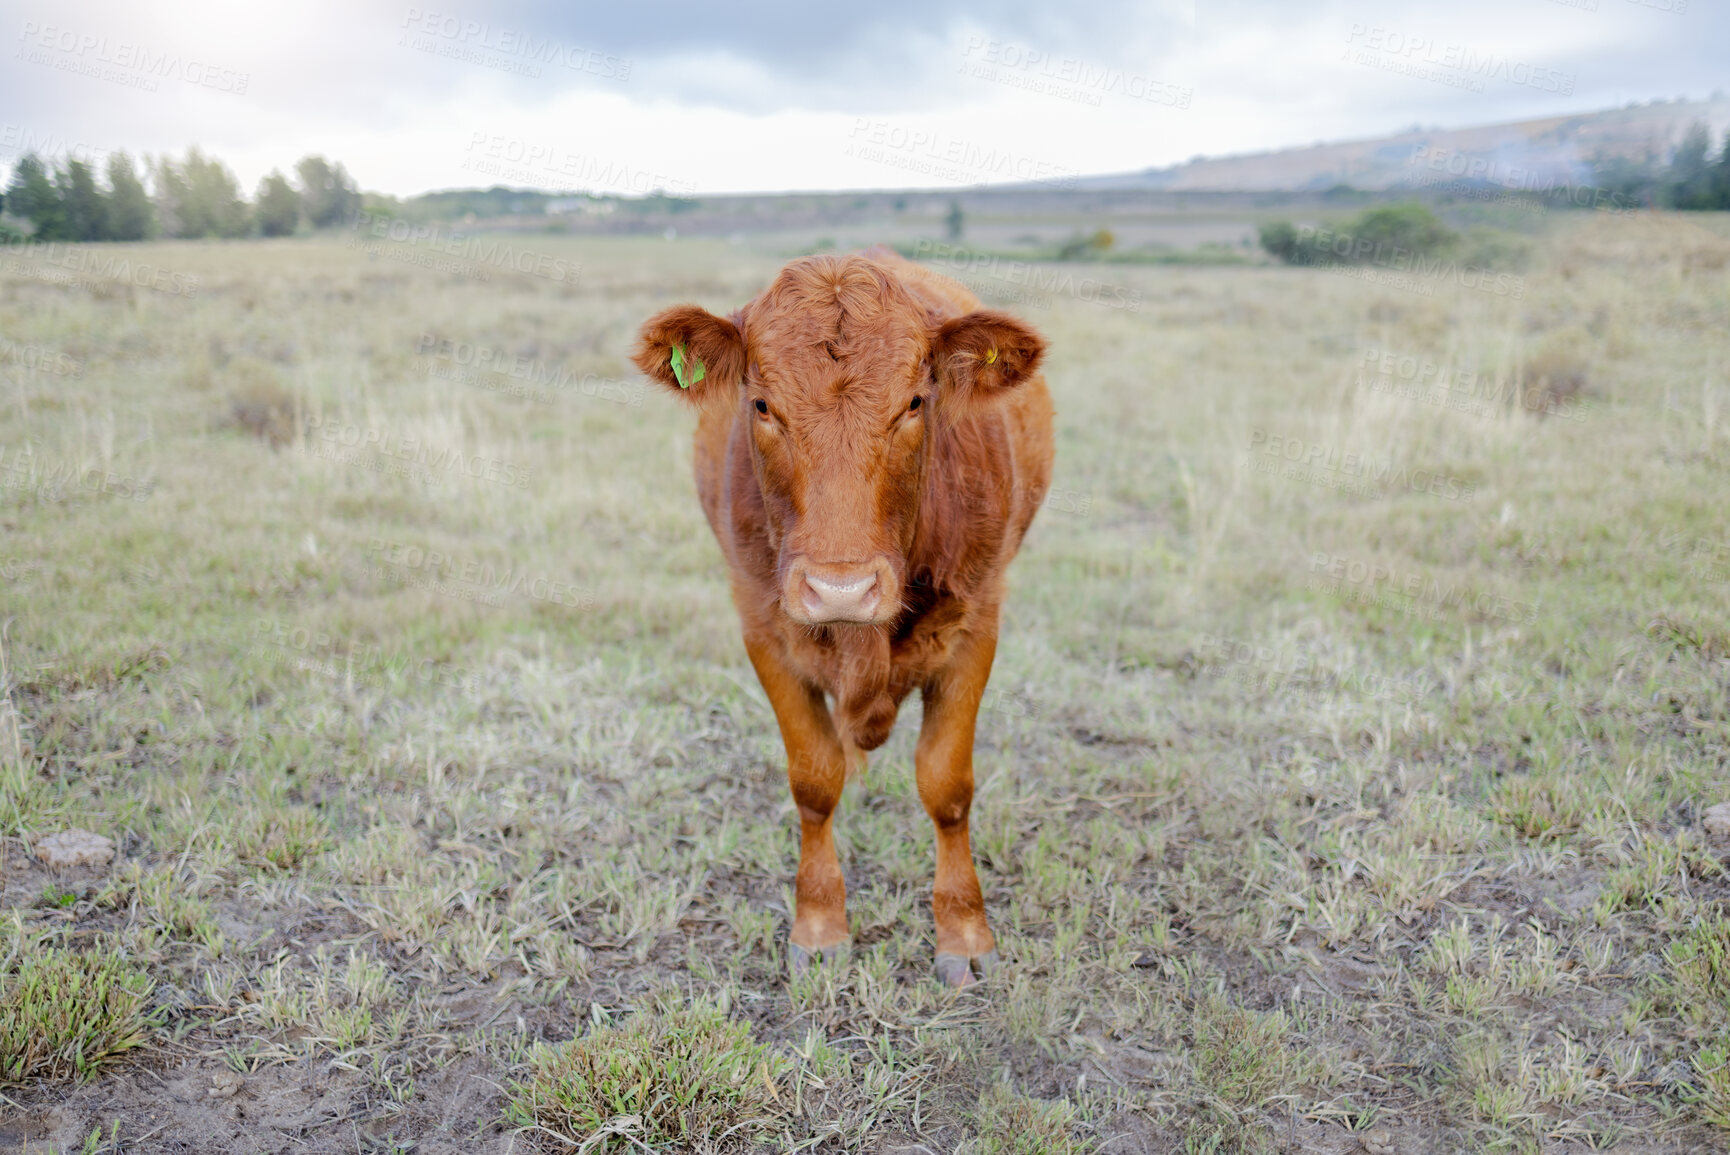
841 380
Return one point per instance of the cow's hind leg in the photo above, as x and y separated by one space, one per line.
944 763
816 772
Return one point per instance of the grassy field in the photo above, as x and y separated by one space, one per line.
1344 778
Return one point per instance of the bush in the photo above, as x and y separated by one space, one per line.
1408 226
1384 235
1280 240
1089 247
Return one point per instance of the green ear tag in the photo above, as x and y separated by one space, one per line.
680 371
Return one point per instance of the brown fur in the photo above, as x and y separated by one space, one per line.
843 471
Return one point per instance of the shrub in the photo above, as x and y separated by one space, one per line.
1384 235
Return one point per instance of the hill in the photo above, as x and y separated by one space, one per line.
1539 153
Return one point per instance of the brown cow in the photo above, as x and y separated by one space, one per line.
870 450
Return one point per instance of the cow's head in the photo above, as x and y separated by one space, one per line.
842 381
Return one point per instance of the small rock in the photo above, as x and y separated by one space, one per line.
75 848
1145 959
1718 820
1378 1142
224 1084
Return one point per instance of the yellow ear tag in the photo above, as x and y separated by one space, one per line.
991 357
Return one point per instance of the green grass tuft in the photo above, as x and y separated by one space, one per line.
1013 1124
1239 1055
64 1013
660 1078
1700 967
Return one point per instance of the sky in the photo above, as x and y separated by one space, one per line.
701 98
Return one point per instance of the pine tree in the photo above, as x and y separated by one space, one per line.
82 204
278 206
1690 174
130 214
1721 176
32 195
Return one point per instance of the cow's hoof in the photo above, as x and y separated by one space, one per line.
957 970
799 959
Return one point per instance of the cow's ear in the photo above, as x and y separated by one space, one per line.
979 355
692 352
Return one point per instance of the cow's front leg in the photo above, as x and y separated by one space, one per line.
944 762
816 771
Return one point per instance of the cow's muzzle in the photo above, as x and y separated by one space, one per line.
820 592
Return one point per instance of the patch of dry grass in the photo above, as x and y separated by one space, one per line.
421 722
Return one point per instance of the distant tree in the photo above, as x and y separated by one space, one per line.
328 195
170 195
199 198
32 195
1623 181
278 209
1691 170
82 205
130 215
1721 174
955 222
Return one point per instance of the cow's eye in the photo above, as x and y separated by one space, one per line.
762 407
915 403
